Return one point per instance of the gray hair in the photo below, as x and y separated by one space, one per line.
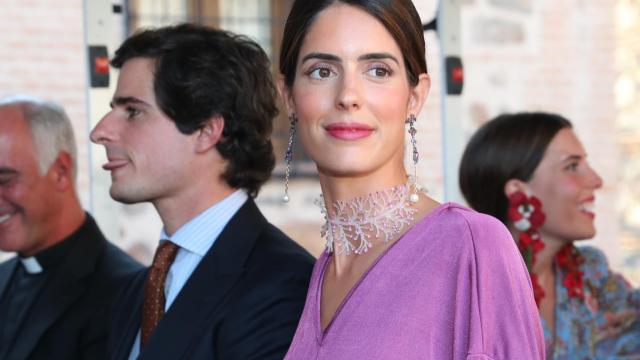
50 127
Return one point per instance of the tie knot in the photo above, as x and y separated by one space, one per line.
165 254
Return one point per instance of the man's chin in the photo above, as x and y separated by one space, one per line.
125 197
10 243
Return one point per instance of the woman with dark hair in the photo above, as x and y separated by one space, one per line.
403 277
530 171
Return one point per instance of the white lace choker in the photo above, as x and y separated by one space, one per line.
356 222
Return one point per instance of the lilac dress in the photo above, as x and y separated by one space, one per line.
453 287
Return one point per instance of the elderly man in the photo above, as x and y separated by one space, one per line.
55 295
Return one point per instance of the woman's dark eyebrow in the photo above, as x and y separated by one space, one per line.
378 56
572 157
331 57
321 56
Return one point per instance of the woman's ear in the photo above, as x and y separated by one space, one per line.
515 185
285 94
418 94
209 134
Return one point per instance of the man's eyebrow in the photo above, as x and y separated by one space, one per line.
7 170
127 100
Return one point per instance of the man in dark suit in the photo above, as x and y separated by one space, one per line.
55 295
189 131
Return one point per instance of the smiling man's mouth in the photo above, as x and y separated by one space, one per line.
4 218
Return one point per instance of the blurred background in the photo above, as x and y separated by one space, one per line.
578 58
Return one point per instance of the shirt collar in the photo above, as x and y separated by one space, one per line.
51 256
199 233
31 265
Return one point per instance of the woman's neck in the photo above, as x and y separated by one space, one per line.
368 201
345 190
544 258
355 225
338 188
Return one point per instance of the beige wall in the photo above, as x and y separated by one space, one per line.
627 90
41 54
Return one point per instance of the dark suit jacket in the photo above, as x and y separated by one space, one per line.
69 319
243 301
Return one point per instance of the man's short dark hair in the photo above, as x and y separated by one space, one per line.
202 72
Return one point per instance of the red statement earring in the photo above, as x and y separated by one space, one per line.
569 259
526 215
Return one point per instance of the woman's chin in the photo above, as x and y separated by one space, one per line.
585 234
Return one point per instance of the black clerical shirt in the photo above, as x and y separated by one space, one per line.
24 287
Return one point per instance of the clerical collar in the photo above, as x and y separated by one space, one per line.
50 257
31 265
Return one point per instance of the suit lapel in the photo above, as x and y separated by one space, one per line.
214 278
62 290
6 272
130 306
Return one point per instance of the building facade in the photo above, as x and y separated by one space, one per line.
580 59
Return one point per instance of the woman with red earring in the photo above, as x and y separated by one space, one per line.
530 171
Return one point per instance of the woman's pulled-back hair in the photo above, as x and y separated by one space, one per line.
510 146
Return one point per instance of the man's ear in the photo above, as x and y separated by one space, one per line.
515 185
285 94
61 172
209 134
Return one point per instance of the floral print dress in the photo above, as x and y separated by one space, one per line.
605 325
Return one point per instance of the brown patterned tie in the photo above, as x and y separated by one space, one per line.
153 305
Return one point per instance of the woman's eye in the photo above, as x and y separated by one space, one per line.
379 71
572 167
320 73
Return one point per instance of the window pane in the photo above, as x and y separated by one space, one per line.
146 13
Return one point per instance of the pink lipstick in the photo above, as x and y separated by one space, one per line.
349 131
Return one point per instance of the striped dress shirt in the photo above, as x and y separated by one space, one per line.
195 238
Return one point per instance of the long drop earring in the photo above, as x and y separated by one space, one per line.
288 156
414 181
